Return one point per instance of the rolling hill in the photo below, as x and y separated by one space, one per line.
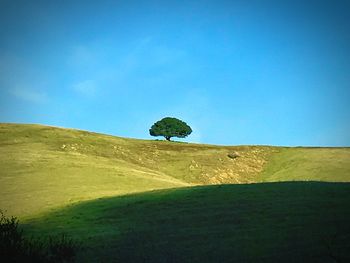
45 167
266 222
187 202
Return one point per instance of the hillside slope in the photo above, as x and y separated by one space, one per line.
265 222
45 167
308 164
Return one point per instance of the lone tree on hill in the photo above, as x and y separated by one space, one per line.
170 127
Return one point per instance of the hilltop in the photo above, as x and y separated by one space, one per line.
129 200
45 167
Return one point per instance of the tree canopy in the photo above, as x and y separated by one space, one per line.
170 127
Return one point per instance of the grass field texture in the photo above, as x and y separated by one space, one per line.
176 202
268 222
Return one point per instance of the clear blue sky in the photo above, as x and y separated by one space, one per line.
238 72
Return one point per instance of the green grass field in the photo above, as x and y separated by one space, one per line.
314 164
131 200
270 222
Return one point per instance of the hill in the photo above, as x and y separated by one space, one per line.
45 167
308 164
266 222
131 200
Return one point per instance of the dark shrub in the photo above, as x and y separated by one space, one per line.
233 155
62 249
14 247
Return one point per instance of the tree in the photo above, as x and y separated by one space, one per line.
170 127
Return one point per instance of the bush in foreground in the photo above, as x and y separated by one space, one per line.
14 247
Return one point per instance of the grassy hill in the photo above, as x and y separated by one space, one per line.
314 164
171 201
45 167
268 222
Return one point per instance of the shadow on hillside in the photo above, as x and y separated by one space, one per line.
269 222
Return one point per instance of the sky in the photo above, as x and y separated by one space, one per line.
238 72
